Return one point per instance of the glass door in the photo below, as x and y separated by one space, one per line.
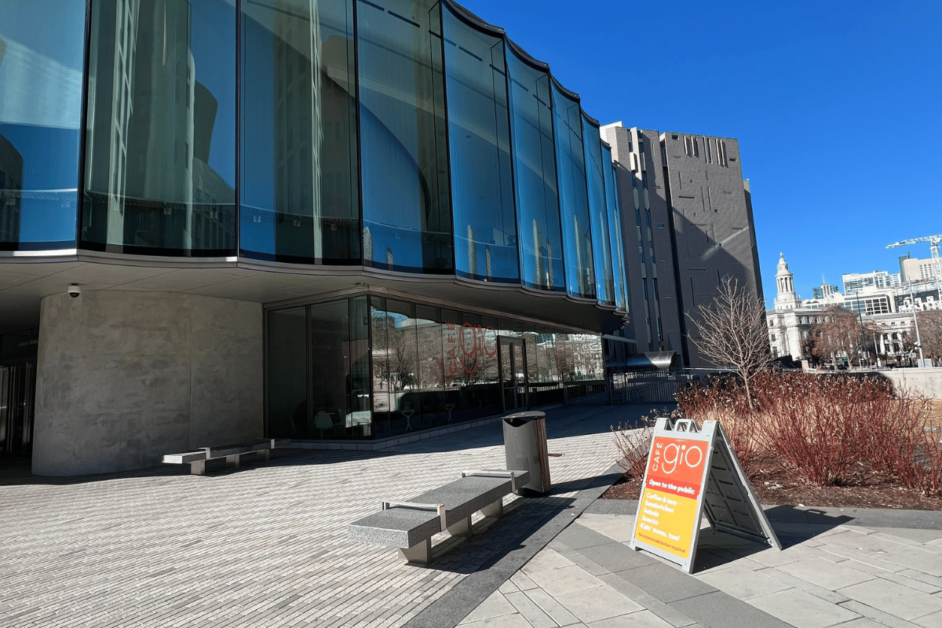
514 381
17 392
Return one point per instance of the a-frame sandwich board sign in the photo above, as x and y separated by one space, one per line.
690 473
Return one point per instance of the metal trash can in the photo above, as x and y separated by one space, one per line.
525 448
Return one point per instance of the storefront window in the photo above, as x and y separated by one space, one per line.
160 145
430 367
300 195
42 46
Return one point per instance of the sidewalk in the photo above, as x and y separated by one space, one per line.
847 568
266 545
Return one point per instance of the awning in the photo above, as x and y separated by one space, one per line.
655 359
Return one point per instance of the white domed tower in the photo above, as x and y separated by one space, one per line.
786 299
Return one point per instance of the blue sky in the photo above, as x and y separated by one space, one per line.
837 107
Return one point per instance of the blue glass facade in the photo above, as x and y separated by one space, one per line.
402 135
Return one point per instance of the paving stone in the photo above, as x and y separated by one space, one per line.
720 610
565 580
595 604
802 609
617 557
667 584
580 537
494 606
547 560
559 613
506 621
894 599
929 621
884 619
825 574
522 581
618 528
642 619
530 611
742 583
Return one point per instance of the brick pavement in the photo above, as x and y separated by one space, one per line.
263 545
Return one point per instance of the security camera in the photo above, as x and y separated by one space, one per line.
74 291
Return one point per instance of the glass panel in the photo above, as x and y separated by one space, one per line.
288 412
330 371
41 57
614 230
299 153
541 251
573 200
402 351
381 375
454 366
598 212
479 139
431 373
403 141
160 145
358 423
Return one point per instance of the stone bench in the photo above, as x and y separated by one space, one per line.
232 453
410 525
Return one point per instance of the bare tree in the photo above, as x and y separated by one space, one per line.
840 335
734 333
930 333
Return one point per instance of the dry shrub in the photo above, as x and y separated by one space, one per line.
724 400
814 425
825 427
634 443
906 445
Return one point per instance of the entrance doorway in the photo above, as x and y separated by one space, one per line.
514 382
17 395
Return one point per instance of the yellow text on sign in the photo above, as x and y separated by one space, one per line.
667 521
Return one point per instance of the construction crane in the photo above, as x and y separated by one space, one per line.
934 242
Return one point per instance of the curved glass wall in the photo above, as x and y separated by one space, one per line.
160 143
614 230
403 136
42 47
573 197
298 163
598 213
479 144
534 159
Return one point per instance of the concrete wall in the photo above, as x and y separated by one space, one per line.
924 381
124 377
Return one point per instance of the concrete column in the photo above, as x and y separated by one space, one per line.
124 377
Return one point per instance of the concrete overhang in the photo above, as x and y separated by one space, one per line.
26 278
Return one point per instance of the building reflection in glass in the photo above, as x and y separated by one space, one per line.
160 162
406 367
42 45
300 195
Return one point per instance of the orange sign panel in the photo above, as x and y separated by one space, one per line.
669 512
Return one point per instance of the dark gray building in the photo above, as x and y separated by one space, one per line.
685 203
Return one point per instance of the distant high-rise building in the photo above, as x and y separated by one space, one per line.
855 282
824 290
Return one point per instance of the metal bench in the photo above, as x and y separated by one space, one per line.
232 453
411 524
